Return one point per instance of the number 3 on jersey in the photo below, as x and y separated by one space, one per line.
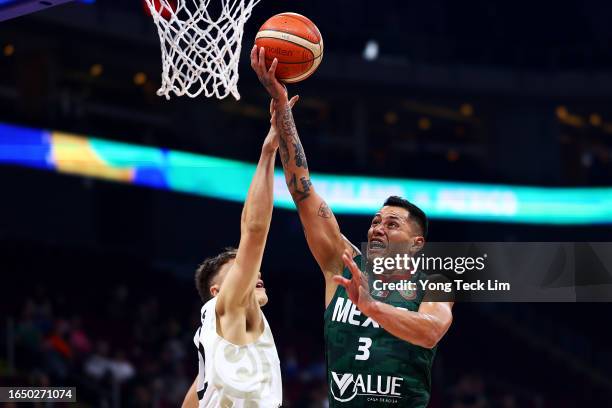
364 348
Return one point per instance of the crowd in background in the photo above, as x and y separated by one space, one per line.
125 344
129 355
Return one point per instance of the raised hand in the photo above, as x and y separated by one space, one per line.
357 288
266 76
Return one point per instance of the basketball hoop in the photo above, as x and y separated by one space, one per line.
200 53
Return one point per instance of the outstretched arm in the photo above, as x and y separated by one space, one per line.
320 226
424 328
239 284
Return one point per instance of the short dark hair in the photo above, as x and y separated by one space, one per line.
414 212
208 269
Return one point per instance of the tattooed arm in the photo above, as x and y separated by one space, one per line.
320 226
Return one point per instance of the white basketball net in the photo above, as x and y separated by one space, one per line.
200 53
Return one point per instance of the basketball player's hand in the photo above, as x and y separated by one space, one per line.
267 77
357 288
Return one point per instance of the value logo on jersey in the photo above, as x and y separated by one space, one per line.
345 387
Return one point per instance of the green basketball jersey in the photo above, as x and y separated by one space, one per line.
366 365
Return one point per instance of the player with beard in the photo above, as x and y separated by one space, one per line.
380 345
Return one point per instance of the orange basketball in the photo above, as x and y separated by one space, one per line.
295 41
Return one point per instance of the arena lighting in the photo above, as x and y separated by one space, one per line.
391 118
595 120
466 109
229 180
370 51
96 70
140 78
8 50
562 112
424 123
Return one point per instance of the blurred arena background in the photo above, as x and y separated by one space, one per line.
97 287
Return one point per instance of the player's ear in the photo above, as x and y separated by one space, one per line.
214 290
417 244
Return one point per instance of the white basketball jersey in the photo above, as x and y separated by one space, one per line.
232 376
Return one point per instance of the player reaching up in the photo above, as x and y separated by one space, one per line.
238 361
380 345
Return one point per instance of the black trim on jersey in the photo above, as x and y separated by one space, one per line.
202 392
201 352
